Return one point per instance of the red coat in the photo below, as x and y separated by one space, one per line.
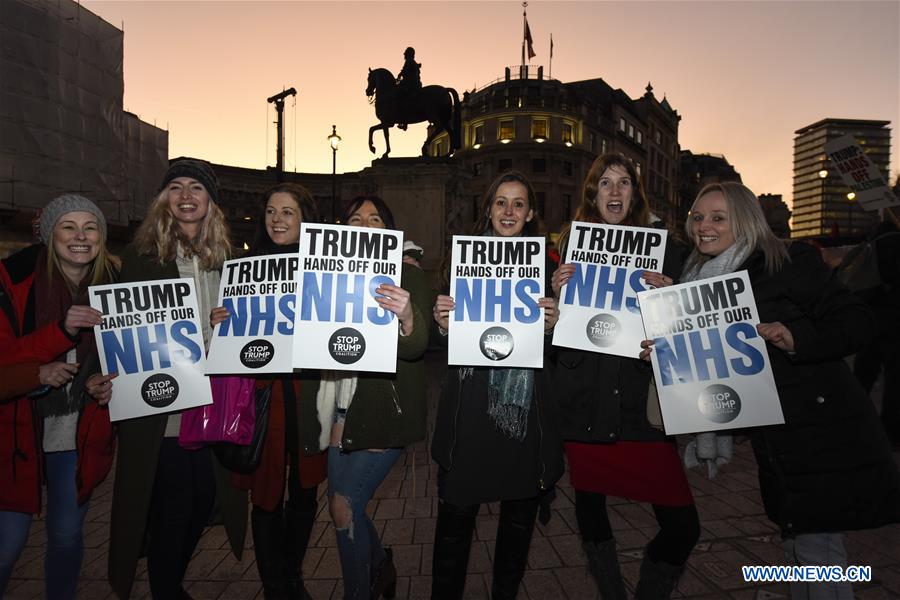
21 459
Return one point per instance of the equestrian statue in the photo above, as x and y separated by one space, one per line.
403 100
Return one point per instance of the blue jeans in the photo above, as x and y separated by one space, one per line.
355 476
818 549
65 542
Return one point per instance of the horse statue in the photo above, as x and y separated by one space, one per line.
437 105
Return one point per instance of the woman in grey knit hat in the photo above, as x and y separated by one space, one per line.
54 434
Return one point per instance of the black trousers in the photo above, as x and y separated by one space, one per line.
679 527
184 493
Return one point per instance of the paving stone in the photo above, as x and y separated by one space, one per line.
541 554
398 531
542 583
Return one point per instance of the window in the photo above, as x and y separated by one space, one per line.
438 147
538 165
631 131
504 164
621 124
507 130
640 137
477 169
568 133
568 169
658 138
539 130
603 148
477 135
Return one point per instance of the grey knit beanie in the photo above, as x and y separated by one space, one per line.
65 204
195 169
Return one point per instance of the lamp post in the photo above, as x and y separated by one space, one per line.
823 173
851 196
334 141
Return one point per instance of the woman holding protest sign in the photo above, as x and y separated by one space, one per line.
611 446
496 436
829 467
53 434
375 415
282 523
164 494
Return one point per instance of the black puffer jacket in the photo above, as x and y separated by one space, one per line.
829 467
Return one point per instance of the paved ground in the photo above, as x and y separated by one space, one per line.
735 532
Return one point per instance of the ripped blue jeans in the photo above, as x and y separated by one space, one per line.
355 476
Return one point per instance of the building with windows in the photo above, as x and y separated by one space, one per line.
821 204
552 131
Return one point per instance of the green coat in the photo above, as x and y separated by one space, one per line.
139 443
388 410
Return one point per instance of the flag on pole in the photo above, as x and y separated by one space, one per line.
551 45
528 41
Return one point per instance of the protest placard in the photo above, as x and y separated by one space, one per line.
151 336
860 174
496 283
598 307
260 295
338 324
711 366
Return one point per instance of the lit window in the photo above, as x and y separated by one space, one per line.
621 124
631 131
539 130
477 135
568 133
507 130
640 137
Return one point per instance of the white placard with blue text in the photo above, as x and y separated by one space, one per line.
338 325
496 283
711 366
151 337
598 306
860 174
257 337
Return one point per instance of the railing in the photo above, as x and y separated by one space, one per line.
516 72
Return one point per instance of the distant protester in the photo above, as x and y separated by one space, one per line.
51 432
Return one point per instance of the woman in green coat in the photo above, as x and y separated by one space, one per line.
164 495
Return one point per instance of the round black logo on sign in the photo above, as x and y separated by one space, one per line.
347 345
257 353
603 330
496 343
719 403
159 390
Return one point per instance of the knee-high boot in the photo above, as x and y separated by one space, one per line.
269 546
513 541
603 565
452 543
657 580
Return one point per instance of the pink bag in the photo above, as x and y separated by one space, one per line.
230 418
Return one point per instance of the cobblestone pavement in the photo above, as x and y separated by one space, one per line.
735 532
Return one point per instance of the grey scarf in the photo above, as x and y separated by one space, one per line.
509 399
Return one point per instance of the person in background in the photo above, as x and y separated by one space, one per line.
292 461
375 415
496 436
55 435
828 468
611 447
164 494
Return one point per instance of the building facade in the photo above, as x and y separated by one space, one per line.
822 207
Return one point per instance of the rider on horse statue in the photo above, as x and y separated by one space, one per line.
409 81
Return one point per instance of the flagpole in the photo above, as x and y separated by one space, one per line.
524 28
551 57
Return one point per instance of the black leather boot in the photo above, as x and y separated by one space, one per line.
452 543
268 543
513 542
603 565
300 516
658 580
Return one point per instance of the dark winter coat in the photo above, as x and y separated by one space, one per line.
388 409
21 429
603 398
829 467
139 443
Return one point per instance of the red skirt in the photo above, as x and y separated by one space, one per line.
643 471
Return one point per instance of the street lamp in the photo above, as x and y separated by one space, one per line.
823 173
334 141
851 196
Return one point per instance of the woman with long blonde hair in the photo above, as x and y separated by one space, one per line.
164 494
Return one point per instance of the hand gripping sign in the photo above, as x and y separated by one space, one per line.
496 283
259 293
338 325
711 366
151 337
598 307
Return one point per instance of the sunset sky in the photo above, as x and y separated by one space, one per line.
743 75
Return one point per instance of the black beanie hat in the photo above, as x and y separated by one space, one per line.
195 169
